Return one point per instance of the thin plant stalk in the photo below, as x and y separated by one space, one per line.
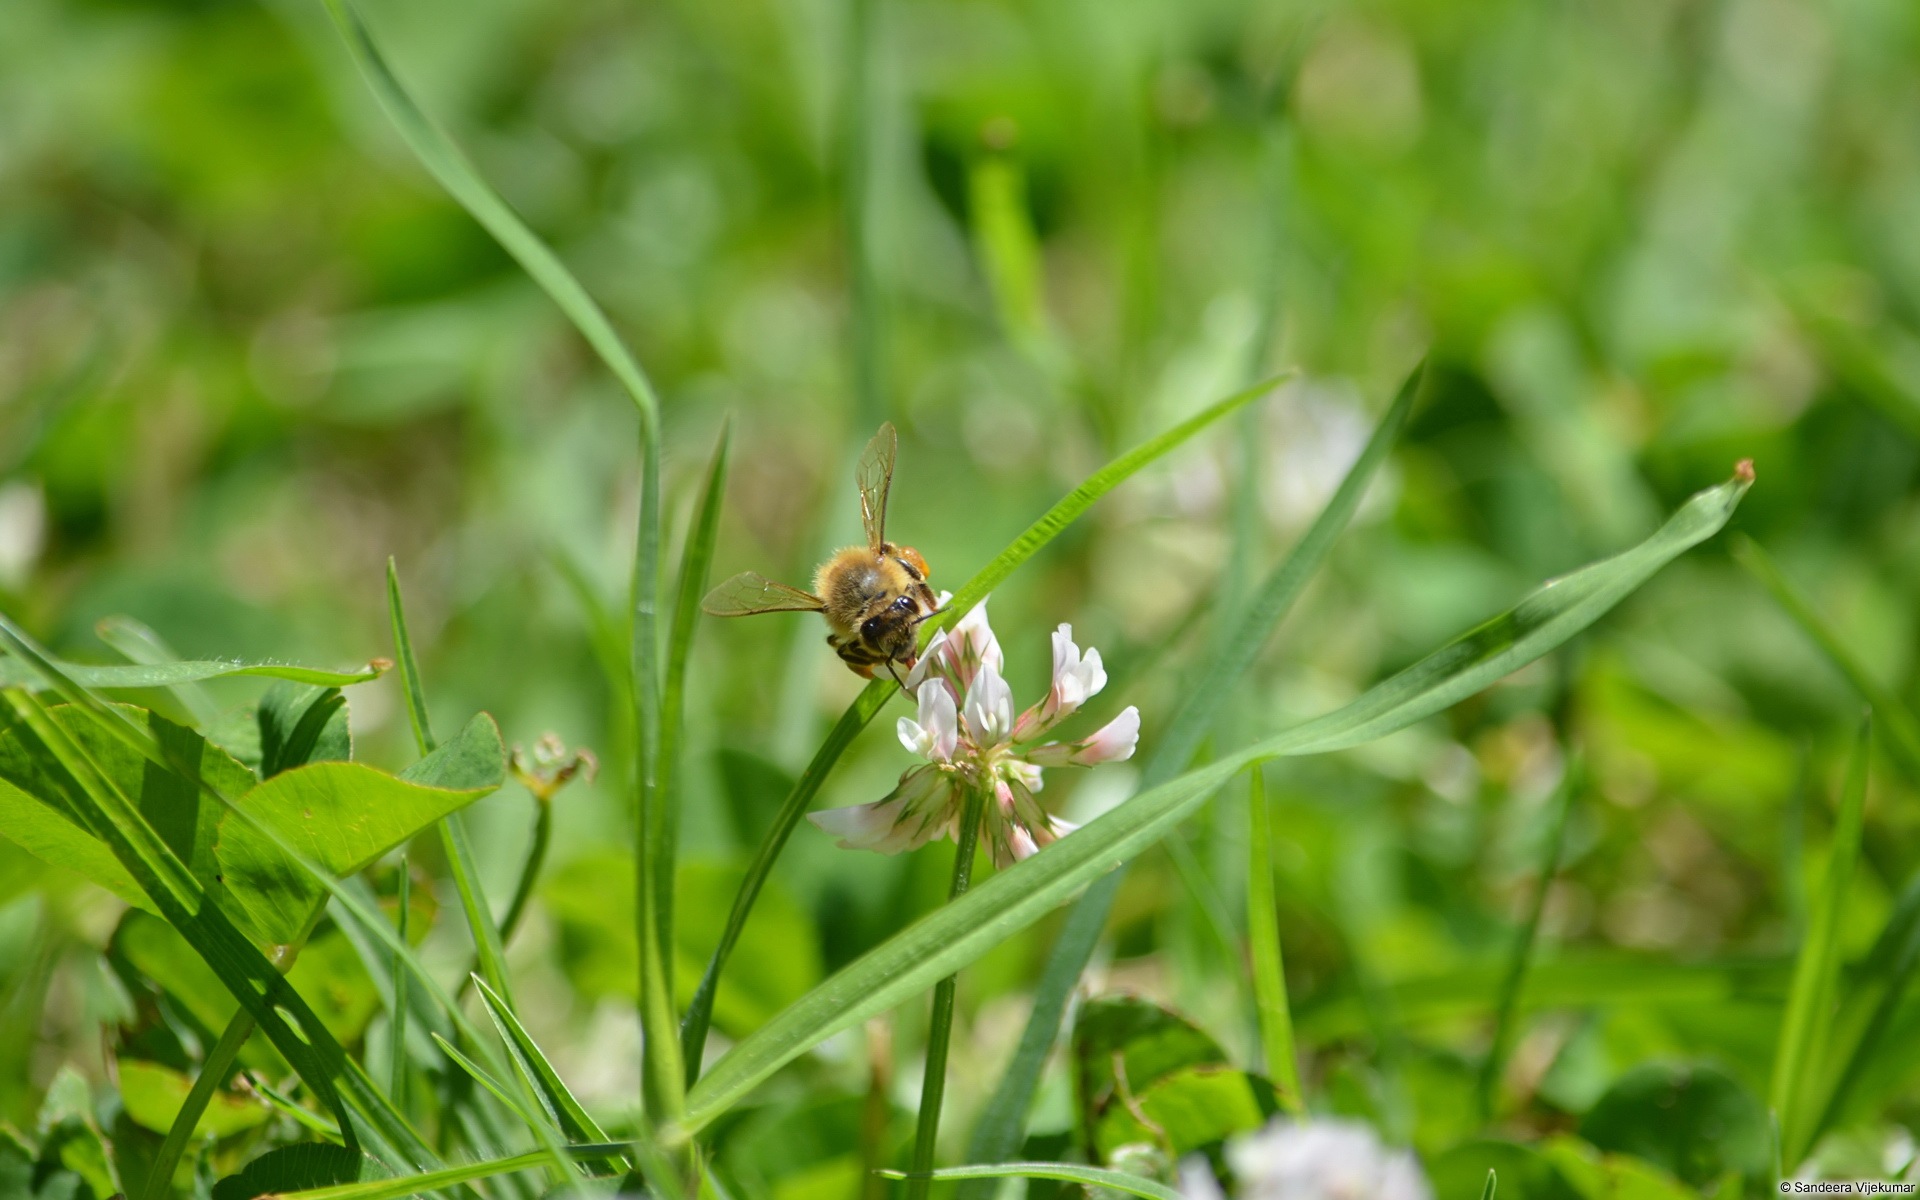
529 870
1507 1012
940 1031
397 1088
212 1072
1269 967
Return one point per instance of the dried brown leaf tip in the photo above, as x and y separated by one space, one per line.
550 766
1743 470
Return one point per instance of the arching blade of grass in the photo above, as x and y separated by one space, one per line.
998 1134
661 1073
1269 968
1899 728
430 1181
410 685
1493 1181
16 673
875 695
1091 1177
479 1075
547 1086
1507 1008
957 934
213 1073
1875 993
1800 1061
695 560
145 648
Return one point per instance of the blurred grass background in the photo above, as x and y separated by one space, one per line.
248 350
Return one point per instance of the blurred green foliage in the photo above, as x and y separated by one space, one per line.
248 351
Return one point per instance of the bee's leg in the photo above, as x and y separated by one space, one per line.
895 672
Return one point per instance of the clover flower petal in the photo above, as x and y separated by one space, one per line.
913 814
937 733
1113 742
989 711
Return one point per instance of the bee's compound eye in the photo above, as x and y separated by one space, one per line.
871 627
903 604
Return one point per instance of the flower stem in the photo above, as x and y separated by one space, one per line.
529 871
933 1087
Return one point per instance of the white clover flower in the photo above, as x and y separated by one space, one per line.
1311 1160
966 730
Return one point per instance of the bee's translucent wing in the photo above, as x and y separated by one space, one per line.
875 476
751 592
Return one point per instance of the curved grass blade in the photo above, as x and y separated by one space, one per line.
875 695
1881 984
998 1134
410 685
493 1086
1493 1181
394 1189
695 560
213 1072
1269 969
1091 1177
145 648
1010 900
1507 1010
1896 720
16 673
1800 1060
662 1082
559 1103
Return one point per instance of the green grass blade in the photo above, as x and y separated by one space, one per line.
213 1072
1507 1008
429 1181
488 950
1882 984
1002 1124
695 560
875 695
1229 658
1240 648
1269 969
1799 1060
552 1092
480 1076
957 934
16 673
397 1085
145 648
1493 1181
1900 729
451 168
410 685
1092 1177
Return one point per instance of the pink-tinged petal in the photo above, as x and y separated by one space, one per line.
917 811
972 647
989 711
1113 743
1076 679
928 664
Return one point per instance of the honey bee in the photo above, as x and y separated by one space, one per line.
874 597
